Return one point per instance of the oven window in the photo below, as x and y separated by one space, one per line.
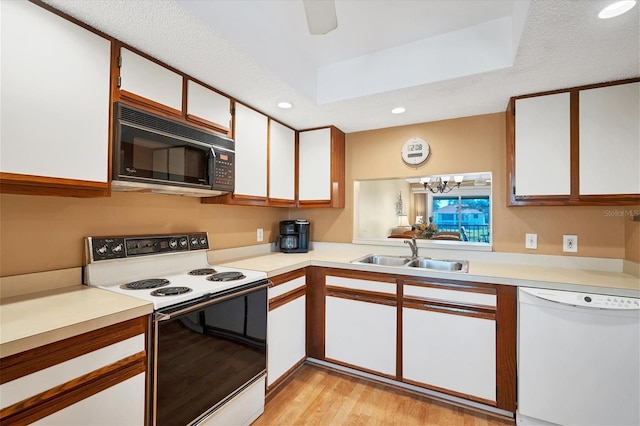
205 355
152 156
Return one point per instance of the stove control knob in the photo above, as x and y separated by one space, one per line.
203 241
102 250
183 242
117 249
173 244
194 241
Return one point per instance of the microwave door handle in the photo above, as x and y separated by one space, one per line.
212 164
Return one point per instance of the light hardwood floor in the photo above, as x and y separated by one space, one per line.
318 396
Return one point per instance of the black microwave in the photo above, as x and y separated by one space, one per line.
156 154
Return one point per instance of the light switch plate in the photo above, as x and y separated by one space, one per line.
259 234
531 241
570 243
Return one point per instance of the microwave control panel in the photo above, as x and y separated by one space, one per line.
223 171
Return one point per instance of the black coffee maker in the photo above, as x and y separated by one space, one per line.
294 236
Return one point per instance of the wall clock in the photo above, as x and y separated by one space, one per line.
415 151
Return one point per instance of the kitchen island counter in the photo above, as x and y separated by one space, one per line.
36 319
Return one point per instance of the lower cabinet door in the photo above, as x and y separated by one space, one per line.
452 352
286 338
361 334
122 404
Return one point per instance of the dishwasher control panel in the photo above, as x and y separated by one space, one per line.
585 299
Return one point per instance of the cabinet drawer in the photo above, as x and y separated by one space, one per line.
365 285
454 296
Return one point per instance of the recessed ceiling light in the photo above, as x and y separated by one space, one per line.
285 105
616 9
398 110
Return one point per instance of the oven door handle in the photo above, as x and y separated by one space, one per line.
160 316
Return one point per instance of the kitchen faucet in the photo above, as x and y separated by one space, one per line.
414 247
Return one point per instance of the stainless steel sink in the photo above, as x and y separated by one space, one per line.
408 262
440 265
378 259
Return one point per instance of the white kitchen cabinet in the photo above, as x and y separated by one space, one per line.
122 404
449 339
450 351
543 145
360 323
146 79
208 107
250 135
286 328
321 168
610 140
282 166
55 101
361 334
577 146
314 176
95 378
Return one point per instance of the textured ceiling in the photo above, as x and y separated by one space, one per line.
261 53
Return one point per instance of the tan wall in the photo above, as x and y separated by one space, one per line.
46 233
476 144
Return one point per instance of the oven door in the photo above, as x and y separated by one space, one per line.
206 352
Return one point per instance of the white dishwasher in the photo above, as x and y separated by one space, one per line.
578 358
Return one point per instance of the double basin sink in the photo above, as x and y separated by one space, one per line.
419 262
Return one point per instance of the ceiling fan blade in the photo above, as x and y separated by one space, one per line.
321 16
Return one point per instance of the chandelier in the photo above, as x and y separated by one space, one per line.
441 184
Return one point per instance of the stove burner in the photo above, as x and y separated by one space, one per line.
203 271
170 291
145 284
226 276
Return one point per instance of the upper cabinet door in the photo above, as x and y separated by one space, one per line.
208 107
55 101
580 146
155 84
321 168
610 140
542 145
282 141
250 134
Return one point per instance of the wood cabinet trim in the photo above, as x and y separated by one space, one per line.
194 119
288 276
364 370
461 309
506 343
287 297
361 295
73 391
360 275
574 198
450 392
28 362
13 183
465 286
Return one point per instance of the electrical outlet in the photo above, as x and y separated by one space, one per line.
259 235
570 243
531 241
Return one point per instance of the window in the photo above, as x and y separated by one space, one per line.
467 214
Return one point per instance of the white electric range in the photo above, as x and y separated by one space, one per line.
164 270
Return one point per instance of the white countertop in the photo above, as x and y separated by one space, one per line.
32 320
340 256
